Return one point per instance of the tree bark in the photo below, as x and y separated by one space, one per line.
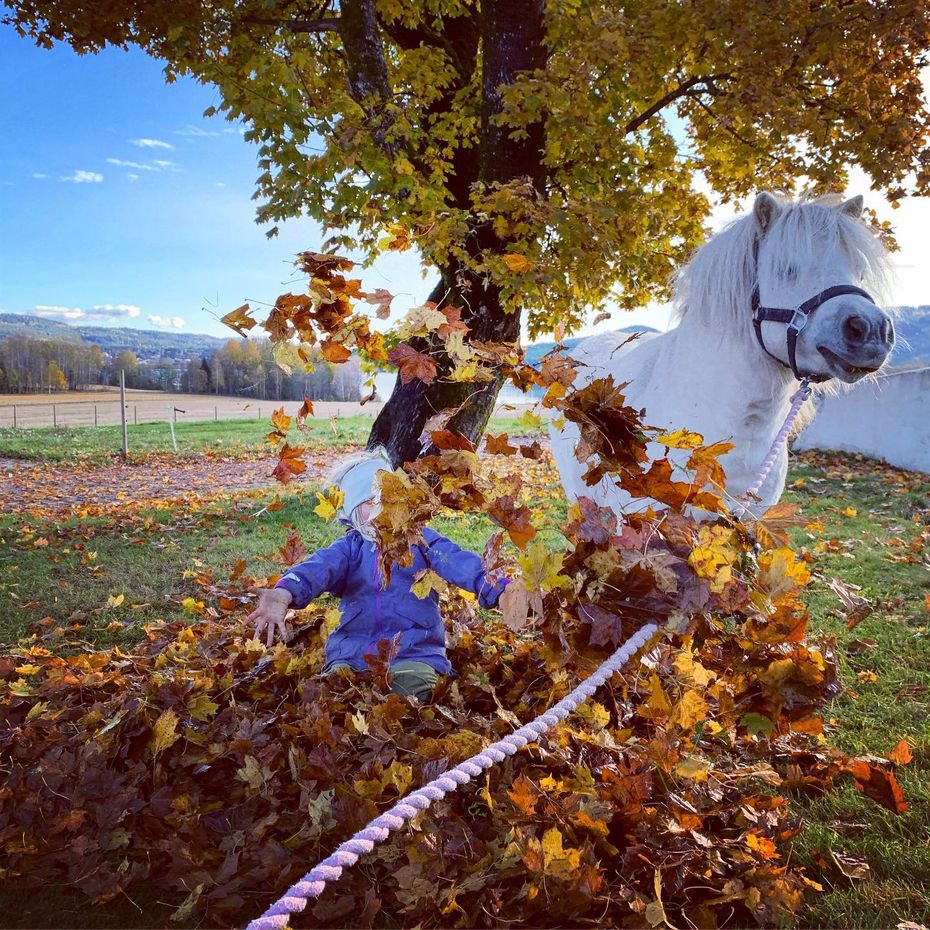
513 41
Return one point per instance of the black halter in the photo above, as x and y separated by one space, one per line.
796 319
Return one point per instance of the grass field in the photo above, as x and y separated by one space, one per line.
864 527
225 437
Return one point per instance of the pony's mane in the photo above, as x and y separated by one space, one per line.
717 282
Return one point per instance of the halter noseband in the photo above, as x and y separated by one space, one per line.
796 319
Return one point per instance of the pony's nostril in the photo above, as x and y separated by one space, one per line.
855 328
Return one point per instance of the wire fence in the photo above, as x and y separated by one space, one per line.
107 412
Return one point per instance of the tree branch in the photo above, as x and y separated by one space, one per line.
327 24
683 90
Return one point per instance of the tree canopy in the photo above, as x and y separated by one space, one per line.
542 156
375 116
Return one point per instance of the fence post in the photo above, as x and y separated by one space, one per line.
95 414
135 414
54 416
14 416
171 415
122 412
215 417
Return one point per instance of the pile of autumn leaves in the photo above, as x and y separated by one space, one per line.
202 763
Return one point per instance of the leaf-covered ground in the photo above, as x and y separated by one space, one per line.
643 776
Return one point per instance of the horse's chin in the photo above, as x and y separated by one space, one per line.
842 369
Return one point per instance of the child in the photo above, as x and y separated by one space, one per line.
349 568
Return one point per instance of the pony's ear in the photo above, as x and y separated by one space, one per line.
765 209
852 207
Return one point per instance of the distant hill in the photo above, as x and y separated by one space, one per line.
537 350
36 326
148 344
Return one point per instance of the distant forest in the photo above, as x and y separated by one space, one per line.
245 368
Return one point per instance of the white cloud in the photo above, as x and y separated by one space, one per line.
84 177
151 144
195 131
130 164
133 177
64 313
39 176
103 313
220 184
174 321
160 164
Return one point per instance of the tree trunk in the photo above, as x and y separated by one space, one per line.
513 41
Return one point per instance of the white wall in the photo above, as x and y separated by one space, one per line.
888 419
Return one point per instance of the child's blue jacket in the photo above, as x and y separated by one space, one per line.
349 569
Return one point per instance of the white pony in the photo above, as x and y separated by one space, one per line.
714 373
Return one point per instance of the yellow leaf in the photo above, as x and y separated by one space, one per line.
690 767
530 421
681 439
330 501
689 667
762 845
163 733
202 708
541 568
691 709
866 678
27 669
850 512
192 606
428 583
115 600
517 263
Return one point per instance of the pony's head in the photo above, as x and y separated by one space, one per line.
793 252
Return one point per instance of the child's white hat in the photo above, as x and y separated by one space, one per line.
357 479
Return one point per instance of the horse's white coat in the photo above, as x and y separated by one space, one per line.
709 373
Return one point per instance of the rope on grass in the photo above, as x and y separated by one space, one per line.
347 854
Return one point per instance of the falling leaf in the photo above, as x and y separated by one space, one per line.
330 501
239 320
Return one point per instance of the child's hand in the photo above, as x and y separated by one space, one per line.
270 614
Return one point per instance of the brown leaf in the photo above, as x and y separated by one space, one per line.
879 784
857 607
412 364
498 445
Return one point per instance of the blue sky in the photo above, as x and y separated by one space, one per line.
122 205
99 212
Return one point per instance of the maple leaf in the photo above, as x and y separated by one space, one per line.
541 568
280 420
293 551
305 411
681 439
330 501
901 754
164 733
514 518
412 364
290 463
239 320
381 299
517 263
450 439
879 784
498 445
335 352
397 238
453 324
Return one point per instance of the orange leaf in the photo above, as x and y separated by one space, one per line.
901 754
499 445
334 352
239 320
281 420
879 784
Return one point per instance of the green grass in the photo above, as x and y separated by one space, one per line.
145 559
98 444
872 715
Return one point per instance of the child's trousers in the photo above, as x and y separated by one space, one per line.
416 678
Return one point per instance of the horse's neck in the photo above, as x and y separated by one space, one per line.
726 391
